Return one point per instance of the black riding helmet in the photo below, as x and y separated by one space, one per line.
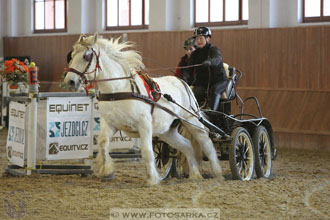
190 42
204 31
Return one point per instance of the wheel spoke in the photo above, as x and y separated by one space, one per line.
244 173
246 150
158 163
157 149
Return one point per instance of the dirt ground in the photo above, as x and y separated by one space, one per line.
299 188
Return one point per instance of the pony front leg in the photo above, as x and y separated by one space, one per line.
206 144
106 167
145 131
176 140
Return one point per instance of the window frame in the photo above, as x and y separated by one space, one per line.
320 18
51 30
129 26
240 20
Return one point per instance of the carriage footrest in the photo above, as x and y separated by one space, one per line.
213 128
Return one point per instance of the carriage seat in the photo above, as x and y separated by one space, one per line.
229 93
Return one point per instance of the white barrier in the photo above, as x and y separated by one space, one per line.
68 128
15 147
56 126
5 92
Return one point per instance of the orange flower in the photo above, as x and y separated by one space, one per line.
26 68
10 69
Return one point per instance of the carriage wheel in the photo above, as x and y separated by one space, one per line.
263 152
241 155
163 161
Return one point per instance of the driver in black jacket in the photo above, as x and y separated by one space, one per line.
209 78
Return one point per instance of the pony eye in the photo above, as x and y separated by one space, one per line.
88 55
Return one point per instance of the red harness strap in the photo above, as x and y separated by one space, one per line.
149 90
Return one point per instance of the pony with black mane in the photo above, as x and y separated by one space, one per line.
125 104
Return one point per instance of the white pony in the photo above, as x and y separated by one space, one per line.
100 59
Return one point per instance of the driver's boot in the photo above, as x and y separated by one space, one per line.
214 101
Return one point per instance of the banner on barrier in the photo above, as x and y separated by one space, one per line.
68 128
119 141
16 133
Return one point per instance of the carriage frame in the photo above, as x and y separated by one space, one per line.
246 140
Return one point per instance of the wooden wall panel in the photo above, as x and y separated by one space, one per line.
160 49
315 142
49 52
325 59
292 110
270 58
300 119
274 58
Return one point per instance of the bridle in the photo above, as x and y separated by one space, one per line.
88 56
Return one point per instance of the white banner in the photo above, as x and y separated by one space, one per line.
16 133
68 128
119 141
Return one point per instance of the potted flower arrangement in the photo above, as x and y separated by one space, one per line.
15 72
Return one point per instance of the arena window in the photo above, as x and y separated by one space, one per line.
50 16
316 10
221 12
126 15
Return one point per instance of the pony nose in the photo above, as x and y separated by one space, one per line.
72 83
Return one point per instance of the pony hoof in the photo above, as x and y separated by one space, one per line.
207 176
195 177
108 178
153 181
220 178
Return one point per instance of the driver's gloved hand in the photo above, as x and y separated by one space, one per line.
207 63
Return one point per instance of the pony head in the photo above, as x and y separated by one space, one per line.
95 58
84 61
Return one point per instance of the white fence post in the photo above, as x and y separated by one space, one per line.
32 135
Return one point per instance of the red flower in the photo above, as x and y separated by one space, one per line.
15 71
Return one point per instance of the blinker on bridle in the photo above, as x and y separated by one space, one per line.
88 56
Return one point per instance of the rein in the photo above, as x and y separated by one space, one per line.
88 56
132 95
176 67
112 79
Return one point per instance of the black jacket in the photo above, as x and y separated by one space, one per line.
217 72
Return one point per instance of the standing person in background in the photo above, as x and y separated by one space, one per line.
210 78
189 46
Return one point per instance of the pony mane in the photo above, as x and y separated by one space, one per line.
123 53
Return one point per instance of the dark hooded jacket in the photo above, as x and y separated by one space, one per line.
201 77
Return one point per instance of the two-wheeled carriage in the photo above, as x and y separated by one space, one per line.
246 140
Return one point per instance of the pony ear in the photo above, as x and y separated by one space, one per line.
81 38
96 35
